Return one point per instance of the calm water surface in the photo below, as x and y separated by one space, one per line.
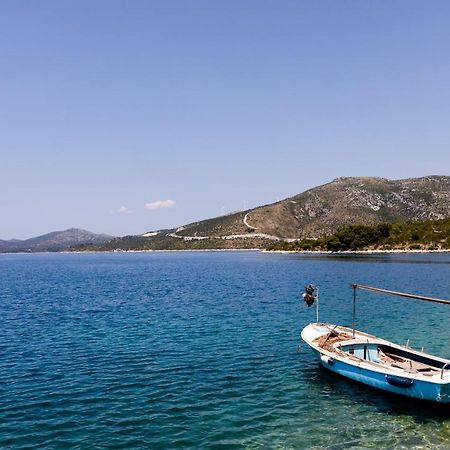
202 350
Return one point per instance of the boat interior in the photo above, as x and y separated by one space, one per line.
381 353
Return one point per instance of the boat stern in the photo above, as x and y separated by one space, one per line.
444 394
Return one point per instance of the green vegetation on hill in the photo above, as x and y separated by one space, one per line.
164 242
428 235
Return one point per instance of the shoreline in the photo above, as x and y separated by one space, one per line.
258 250
357 252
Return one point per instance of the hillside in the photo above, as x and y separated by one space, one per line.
53 242
324 209
312 214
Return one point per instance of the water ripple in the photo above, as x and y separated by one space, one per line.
200 351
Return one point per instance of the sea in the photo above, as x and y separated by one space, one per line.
201 350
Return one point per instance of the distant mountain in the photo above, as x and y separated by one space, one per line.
312 214
54 242
6 246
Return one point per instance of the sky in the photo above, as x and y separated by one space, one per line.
123 117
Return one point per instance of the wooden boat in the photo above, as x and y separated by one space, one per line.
379 363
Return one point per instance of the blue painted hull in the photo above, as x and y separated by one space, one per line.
418 389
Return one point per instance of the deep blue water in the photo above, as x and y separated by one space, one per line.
202 350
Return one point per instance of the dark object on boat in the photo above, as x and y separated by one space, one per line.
399 381
308 296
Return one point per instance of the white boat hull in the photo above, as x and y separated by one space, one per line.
358 359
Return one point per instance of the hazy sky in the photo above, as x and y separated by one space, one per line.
127 116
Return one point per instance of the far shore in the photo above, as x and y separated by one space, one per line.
356 252
306 252
259 250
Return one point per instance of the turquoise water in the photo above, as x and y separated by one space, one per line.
202 350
